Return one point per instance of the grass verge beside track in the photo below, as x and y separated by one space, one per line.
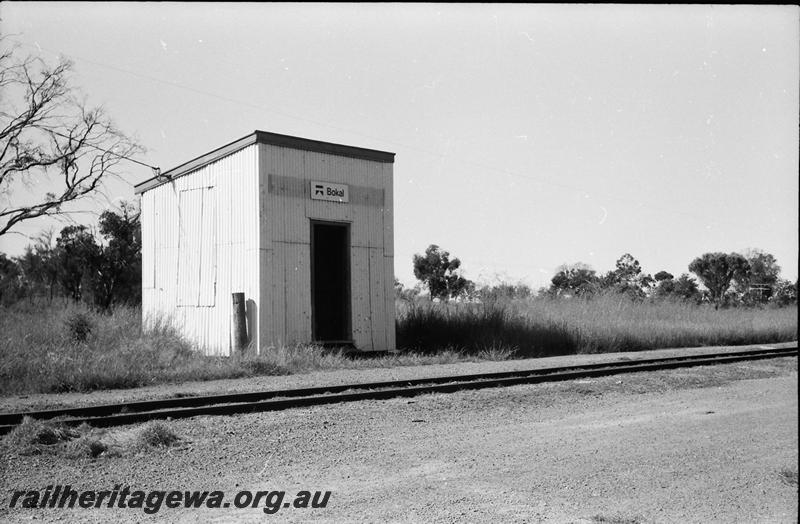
67 347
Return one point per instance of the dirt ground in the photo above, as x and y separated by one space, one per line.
710 444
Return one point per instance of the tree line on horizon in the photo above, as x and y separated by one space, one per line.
101 269
725 280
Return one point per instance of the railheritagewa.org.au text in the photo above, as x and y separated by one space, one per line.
153 501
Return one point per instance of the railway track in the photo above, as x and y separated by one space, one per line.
229 404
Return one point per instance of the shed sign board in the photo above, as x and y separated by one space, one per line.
330 192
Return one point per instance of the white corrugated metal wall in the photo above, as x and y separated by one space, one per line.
286 211
213 212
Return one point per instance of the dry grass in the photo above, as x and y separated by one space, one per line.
37 437
34 437
69 348
40 352
156 434
306 358
610 323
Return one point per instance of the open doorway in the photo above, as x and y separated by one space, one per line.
330 282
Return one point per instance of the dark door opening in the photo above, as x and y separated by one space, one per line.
330 281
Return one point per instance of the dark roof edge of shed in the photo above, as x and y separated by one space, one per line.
264 137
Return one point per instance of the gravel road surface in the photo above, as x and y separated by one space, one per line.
709 444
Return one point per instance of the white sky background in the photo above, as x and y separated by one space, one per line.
526 136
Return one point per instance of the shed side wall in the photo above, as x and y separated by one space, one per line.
235 264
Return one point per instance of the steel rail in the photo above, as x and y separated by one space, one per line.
231 398
228 404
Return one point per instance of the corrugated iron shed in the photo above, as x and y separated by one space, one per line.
242 219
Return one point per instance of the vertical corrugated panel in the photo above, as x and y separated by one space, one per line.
148 257
377 303
362 313
389 310
388 254
230 184
280 204
148 248
388 213
297 226
165 230
208 249
279 293
298 301
266 314
190 238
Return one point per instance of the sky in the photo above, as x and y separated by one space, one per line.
527 136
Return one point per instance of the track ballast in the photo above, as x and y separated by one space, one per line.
230 404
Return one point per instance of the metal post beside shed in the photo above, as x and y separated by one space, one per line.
239 323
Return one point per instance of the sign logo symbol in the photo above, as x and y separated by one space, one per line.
318 189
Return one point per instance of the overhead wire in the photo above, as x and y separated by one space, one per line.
527 177
155 169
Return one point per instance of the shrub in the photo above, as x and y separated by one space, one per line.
86 446
79 325
33 437
156 434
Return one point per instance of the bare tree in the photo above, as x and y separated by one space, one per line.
52 144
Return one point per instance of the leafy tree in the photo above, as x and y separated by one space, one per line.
758 285
439 273
682 288
717 270
11 284
40 267
99 273
627 278
576 279
119 264
686 288
504 290
51 142
403 293
627 268
77 254
665 285
785 293
663 275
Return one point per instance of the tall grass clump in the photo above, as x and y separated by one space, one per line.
607 323
156 434
429 327
74 348
34 437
